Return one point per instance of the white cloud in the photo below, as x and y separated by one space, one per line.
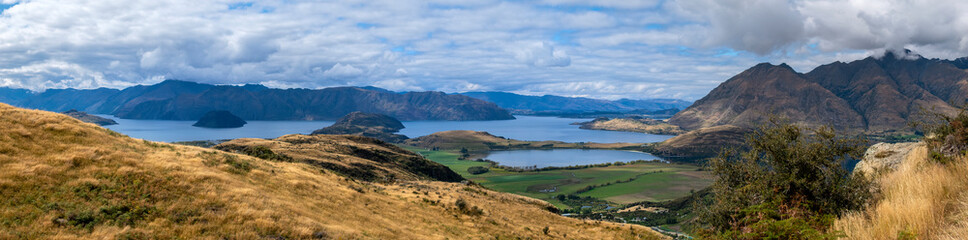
629 4
626 48
342 71
542 54
937 28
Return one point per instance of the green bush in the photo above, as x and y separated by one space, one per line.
947 136
790 181
478 170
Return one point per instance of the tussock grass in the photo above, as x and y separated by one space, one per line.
64 179
922 199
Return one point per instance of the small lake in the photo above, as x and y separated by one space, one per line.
564 157
522 128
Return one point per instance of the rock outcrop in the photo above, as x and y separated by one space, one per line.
885 157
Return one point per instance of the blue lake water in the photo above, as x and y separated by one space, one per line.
522 128
564 157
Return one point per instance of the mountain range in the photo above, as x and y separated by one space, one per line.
182 100
875 95
523 104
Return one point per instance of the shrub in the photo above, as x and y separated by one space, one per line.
947 135
791 180
466 209
266 153
478 170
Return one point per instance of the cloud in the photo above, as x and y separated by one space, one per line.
597 48
937 28
627 4
542 54
342 71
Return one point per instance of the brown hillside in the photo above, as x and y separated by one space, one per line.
704 142
747 98
64 179
873 95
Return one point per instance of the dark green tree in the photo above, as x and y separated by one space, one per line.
790 184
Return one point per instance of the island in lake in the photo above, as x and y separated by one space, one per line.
220 119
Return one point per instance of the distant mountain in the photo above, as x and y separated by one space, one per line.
873 95
14 96
181 100
550 103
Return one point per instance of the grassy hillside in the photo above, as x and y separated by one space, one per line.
921 199
61 178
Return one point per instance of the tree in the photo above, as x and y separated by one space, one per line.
791 184
477 170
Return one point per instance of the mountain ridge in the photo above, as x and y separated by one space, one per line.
871 95
526 104
184 100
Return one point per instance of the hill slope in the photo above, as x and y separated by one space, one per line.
920 198
873 95
62 178
181 100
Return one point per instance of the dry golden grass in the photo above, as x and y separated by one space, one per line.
921 199
64 179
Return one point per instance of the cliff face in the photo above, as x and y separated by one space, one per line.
180 100
870 95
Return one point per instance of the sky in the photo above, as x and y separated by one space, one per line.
607 49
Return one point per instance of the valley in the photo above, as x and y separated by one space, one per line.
650 180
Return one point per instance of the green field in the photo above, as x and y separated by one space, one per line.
651 181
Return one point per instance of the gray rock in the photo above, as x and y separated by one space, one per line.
885 157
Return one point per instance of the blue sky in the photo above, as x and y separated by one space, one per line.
591 48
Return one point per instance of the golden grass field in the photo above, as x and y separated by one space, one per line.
921 199
64 179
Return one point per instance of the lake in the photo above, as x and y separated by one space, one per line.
522 128
564 157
